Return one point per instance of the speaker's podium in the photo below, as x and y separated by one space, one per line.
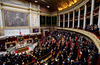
21 45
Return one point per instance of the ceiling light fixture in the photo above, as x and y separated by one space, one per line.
48 6
35 1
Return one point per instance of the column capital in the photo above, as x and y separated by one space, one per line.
30 26
84 4
30 11
38 13
78 8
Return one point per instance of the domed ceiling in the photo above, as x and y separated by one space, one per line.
55 5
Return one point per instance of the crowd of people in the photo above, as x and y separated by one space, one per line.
75 49
2 48
66 48
15 59
93 29
44 47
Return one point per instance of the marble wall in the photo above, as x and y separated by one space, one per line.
11 32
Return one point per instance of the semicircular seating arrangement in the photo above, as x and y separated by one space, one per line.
59 47
71 48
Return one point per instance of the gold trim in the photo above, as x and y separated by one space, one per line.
30 12
0 7
30 26
84 4
1 27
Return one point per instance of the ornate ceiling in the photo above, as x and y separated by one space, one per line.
55 5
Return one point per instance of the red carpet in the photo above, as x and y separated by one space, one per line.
98 62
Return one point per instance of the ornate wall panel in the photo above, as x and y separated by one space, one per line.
1 32
35 20
11 32
15 19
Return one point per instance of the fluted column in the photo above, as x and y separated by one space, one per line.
73 19
39 22
99 18
59 20
85 10
92 8
68 18
1 22
63 20
30 19
79 18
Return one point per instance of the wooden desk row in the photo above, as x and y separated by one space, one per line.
13 43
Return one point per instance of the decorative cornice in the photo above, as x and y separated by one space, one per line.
1 27
20 7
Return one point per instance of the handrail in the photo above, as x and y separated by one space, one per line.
92 36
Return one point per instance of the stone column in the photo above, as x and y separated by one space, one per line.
39 22
79 18
30 19
85 10
92 8
1 22
63 20
68 18
99 18
73 19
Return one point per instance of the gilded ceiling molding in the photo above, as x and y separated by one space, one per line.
76 7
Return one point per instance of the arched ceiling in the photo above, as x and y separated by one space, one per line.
55 5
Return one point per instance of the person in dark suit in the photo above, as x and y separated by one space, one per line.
84 62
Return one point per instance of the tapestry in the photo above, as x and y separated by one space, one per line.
15 19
